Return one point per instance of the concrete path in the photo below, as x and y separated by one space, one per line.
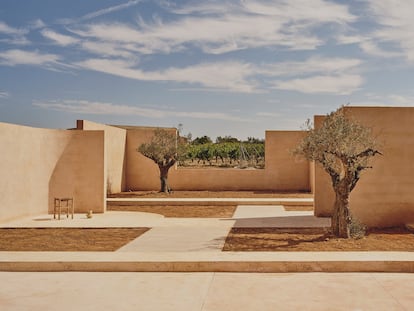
275 216
205 291
182 235
107 219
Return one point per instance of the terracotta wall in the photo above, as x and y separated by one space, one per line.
115 161
384 194
283 172
38 164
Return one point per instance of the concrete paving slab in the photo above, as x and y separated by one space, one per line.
108 219
261 211
315 291
184 239
103 291
206 291
283 222
275 216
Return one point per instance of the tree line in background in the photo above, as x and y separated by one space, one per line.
226 152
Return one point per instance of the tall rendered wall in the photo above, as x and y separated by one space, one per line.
384 194
38 164
115 161
282 172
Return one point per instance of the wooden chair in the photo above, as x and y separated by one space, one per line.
66 203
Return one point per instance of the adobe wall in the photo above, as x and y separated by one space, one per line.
115 160
282 171
38 164
384 195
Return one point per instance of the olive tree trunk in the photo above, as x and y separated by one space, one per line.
164 178
341 216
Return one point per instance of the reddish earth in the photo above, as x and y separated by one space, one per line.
270 239
67 239
211 194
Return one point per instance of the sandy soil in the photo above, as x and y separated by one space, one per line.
67 239
178 211
211 194
270 239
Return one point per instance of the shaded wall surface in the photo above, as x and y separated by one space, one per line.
115 161
282 171
384 194
38 164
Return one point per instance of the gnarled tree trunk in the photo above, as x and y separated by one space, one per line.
341 215
164 177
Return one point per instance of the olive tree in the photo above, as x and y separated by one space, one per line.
343 147
162 149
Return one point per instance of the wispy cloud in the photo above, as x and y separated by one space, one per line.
101 12
394 100
397 24
312 65
59 39
21 57
37 24
317 75
336 74
372 48
268 114
6 29
4 94
103 108
15 36
110 9
229 76
339 84
248 25
106 49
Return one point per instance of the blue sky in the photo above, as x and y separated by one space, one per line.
217 67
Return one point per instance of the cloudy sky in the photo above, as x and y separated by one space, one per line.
218 67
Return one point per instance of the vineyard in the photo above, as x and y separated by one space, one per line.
224 155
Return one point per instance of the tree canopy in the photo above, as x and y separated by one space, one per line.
162 149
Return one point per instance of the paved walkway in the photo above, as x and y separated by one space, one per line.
88 291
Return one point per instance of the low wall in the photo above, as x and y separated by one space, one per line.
115 161
282 171
39 164
384 195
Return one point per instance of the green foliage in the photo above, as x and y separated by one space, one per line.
341 145
224 154
202 140
226 139
162 148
